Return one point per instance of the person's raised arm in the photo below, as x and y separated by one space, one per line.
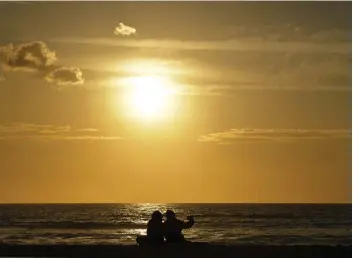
189 223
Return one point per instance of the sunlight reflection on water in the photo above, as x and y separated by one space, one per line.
121 223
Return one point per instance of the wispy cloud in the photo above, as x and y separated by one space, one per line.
233 136
225 45
17 2
124 30
288 33
233 89
32 128
22 131
87 130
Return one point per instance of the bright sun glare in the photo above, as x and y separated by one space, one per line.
149 97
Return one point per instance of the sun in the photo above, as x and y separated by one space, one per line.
149 97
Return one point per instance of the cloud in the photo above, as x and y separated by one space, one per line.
36 56
32 128
50 132
288 32
333 35
124 30
226 81
87 130
33 56
65 76
229 90
16 2
233 136
260 45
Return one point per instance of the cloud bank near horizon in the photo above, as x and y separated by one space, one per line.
25 131
233 136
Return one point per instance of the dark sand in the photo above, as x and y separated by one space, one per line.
189 250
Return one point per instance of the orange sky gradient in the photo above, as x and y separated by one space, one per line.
175 102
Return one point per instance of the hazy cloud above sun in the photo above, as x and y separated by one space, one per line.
36 56
294 59
124 30
233 136
246 44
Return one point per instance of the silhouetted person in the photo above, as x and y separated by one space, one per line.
154 231
174 226
155 228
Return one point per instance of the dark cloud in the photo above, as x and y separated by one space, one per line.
34 55
233 136
65 76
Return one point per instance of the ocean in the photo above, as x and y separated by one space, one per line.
230 224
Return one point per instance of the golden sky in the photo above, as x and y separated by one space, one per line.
175 102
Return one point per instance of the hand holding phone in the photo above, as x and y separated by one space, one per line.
190 217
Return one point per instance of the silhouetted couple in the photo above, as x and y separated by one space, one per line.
170 229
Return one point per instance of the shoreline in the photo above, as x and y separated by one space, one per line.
174 250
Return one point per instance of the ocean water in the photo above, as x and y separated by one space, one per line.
270 224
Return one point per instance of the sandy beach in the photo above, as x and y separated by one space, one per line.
190 250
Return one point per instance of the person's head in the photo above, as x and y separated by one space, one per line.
170 214
157 215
